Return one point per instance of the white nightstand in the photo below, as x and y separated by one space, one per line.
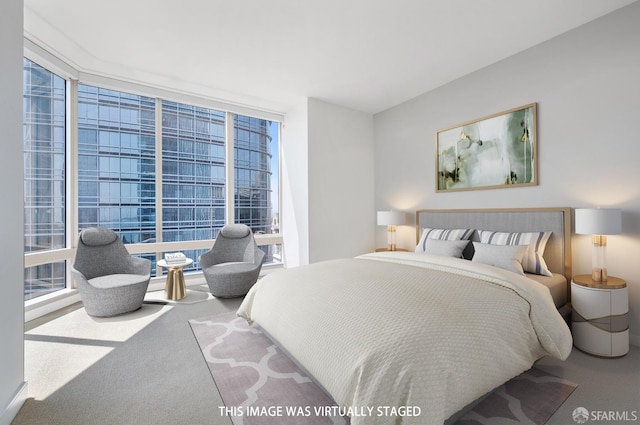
599 322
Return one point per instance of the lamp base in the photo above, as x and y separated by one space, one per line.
391 238
599 275
599 258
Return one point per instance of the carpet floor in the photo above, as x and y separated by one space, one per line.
260 385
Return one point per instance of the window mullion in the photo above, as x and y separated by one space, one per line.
229 170
72 227
159 227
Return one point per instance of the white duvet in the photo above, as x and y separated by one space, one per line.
389 330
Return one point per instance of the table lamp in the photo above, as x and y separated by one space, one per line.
391 219
598 222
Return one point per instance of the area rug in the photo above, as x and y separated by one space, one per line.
260 385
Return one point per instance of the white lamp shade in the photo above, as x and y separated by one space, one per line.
391 218
600 221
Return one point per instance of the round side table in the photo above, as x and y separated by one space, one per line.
175 288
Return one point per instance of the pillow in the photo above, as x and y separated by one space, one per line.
506 257
446 248
443 235
532 262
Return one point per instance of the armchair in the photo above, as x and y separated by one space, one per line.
232 266
109 279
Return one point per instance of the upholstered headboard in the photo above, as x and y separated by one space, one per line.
557 254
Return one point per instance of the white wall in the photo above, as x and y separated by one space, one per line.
12 386
341 205
587 86
328 209
295 186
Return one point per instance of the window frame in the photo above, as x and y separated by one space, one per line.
50 302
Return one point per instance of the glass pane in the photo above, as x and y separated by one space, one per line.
116 163
193 181
256 174
273 253
44 279
44 158
44 131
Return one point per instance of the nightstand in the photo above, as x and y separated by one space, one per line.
599 322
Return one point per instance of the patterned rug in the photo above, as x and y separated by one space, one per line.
260 385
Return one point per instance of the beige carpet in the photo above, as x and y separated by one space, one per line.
136 369
194 295
147 368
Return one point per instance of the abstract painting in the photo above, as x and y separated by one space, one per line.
495 151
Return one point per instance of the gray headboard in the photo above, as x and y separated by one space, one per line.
557 254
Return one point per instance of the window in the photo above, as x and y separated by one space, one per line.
153 170
44 117
193 174
256 178
116 163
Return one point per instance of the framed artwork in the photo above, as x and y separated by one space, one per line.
495 151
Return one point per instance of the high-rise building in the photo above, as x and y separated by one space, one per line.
44 175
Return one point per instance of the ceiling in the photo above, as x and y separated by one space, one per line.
367 55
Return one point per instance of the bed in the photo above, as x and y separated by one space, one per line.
557 252
413 337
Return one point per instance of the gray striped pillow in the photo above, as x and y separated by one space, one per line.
532 261
443 235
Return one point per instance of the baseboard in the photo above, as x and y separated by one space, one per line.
14 407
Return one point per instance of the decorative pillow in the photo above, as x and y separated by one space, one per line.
443 235
506 257
446 248
532 262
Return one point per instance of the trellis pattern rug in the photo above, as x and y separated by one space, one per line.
260 385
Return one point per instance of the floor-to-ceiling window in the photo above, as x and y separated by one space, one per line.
44 124
154 170
116 162
193 174
256 191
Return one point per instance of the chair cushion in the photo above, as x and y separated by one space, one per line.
236 265
232 268
235 231
98 236
117 280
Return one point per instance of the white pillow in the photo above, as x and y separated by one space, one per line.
443 235
506 257
532 262
446 248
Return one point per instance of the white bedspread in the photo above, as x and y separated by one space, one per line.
397 329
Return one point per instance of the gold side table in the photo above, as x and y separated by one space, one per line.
175 288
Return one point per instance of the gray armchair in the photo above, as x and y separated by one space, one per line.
109 279
232 266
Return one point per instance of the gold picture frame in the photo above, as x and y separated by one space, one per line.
496 151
